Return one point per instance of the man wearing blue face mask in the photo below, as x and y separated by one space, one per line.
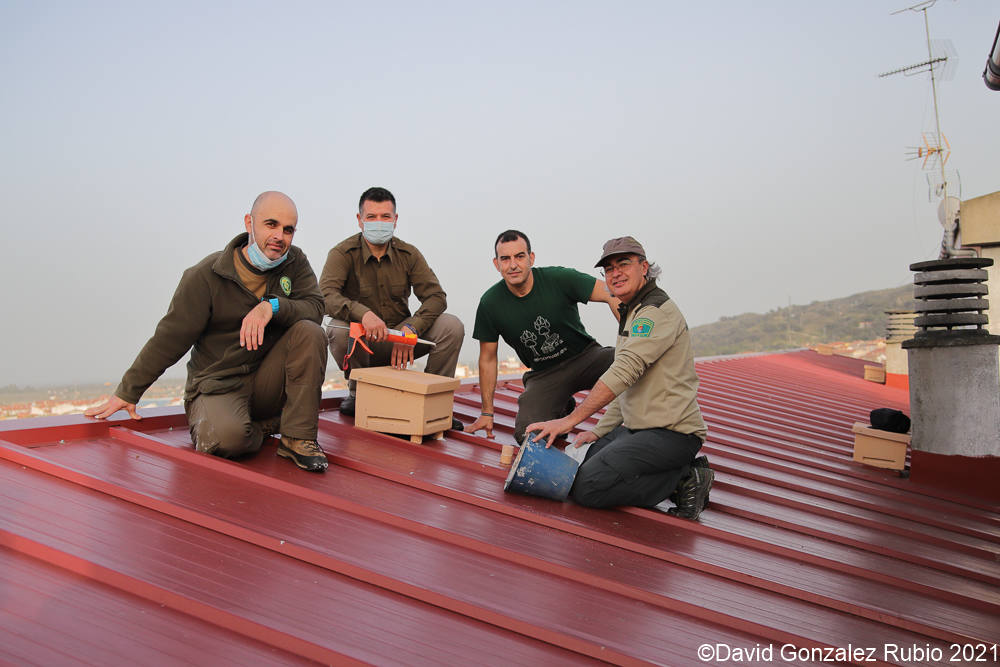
368 278
251 316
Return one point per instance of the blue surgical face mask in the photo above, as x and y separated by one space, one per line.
257 256
378 232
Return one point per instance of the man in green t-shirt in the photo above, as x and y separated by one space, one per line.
535 311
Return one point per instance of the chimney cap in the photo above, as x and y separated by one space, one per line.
953 263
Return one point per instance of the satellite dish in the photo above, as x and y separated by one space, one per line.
948 211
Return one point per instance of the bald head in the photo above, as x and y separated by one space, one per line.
271 222
273 199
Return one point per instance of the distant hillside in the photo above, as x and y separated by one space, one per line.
857 317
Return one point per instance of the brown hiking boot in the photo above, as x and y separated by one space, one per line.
306 454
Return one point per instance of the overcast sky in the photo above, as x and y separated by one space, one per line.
750 146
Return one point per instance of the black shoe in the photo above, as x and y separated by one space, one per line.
270 426
457 425
306 454
570 406
347 406
700 462
692 494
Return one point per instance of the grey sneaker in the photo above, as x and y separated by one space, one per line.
692 494
306 454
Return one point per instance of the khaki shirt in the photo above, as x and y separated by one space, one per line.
653 374
354 282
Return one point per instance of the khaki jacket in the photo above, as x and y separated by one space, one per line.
354 282
653 374
205 316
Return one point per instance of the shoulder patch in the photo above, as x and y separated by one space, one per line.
641 327
286 285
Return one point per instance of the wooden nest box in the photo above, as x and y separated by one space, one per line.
882 449
403 402
875 373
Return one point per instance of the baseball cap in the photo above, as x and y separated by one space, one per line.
624 245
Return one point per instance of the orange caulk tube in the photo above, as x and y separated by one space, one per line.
395 336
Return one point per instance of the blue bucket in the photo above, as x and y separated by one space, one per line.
538 471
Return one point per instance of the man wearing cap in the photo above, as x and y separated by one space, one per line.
643 449
535 311
368 278
250 315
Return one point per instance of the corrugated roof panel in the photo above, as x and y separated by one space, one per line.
408 553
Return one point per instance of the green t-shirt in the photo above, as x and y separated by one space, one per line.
543 326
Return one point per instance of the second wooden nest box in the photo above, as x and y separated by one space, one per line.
403 401
882 449
875 373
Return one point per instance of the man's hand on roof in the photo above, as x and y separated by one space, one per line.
110 407
252 331
482 422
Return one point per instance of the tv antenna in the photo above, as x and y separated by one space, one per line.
935 150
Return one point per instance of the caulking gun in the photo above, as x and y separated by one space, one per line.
357 333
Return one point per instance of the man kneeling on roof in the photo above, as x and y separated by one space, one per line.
251 316
368 278
535 310
643 449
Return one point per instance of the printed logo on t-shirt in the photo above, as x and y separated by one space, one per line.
545 347
286 285
642 327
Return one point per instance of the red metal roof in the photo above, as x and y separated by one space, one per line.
119 544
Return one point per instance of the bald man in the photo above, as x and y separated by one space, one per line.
251 316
